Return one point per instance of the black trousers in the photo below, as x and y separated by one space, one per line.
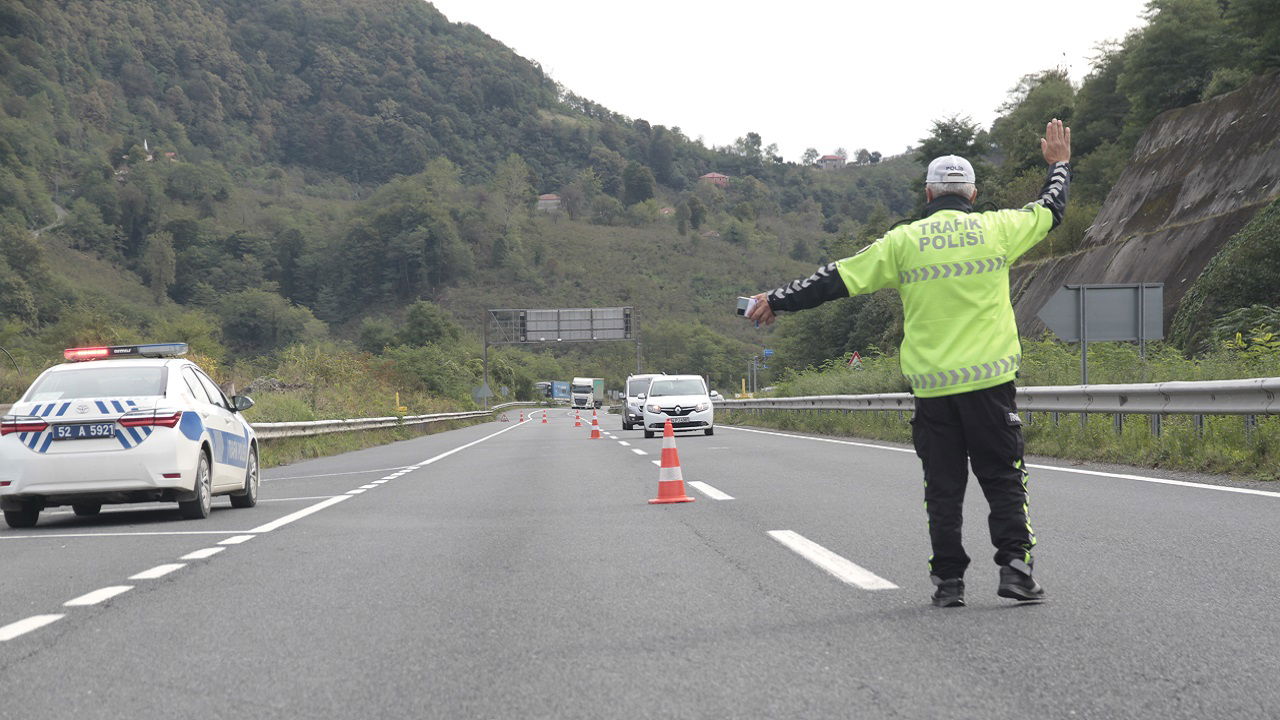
979 429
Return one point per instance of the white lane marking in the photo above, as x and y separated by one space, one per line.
460 448
202 554
357 491
38 536
22 627
1056 468
98 596
389 477
624 443
379 482
158 571
353 472
843 569
657 462
709 491
370 486
638 451
295 499
281 522
237 539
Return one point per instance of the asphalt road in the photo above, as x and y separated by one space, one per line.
518 571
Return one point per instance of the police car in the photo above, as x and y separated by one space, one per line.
132 423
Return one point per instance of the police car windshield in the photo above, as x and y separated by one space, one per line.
635 387
687 386
91 382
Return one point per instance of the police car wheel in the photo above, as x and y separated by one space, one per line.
248 497
86 509
711 431
648 434
198 509
23 518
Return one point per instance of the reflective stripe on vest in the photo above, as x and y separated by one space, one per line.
946 270
960 376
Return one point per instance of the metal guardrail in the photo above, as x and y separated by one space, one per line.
268 431
1255 396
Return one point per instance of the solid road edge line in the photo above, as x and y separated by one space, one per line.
1036 466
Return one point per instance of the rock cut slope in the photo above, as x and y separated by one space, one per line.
1197 176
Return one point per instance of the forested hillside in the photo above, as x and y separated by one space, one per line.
269 178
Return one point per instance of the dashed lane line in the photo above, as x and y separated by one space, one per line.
202 554
22 627
624 443
98 596
281 522
158 571
709 491
638 451
843 569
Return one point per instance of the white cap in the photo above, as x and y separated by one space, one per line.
950 169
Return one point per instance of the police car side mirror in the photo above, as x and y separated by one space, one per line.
640 396
240 403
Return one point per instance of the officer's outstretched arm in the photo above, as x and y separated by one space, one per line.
1056 147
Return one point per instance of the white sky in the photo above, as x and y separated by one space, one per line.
802 73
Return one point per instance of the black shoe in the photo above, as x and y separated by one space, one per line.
1016 583
950 592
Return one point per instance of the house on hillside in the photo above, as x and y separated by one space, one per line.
715 178
830 162
549 202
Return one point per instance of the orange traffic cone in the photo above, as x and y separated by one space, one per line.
595 426
670 481
577 419
544 417
521 416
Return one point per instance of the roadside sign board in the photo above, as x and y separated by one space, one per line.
767 353
1111 312
1105 313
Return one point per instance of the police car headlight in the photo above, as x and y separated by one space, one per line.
700 407
653 408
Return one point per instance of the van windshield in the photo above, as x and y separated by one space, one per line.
683 386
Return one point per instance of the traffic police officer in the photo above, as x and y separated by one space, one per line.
960 352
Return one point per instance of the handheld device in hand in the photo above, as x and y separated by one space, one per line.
746 305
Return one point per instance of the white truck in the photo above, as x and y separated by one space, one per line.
587 392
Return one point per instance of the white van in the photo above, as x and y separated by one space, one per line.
632 405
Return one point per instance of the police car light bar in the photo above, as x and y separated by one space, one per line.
156 350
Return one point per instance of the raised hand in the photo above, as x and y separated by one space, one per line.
1056 143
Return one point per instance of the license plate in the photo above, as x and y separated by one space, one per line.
86 431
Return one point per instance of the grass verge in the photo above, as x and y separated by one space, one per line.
1221 446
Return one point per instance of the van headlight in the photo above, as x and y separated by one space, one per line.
700 407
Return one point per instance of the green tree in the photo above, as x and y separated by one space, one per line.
159 262
809 157
1171 60
425 323
638 184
